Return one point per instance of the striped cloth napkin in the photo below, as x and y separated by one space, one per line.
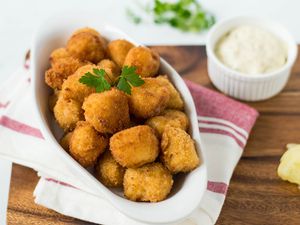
224 124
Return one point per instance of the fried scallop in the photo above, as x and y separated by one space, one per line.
87 30
86 144
178 150
86 46
134 146
149 99
112 70
144 59
66 65
118 49
58 53
175 101
168 117
67 113
53 79
107 111
109 172
93 32
73 89
65 141
61 69
151 182
177 115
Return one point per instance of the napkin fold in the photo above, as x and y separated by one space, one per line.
224 125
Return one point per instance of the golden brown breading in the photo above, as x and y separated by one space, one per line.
73 89
86 46
177 115
144 59
53 79
148 100
58 54
65 141
158 123
66 66
53 99
118 49
151 182
93 32
87 30
61 69
109 172
175 101
107 111
67 113
111 69
86 144
168 117
178 150
134 146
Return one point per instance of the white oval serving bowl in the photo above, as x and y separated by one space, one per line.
244 86
188 189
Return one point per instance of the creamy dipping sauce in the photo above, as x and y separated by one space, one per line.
251 50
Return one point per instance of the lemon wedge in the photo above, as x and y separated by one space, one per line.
289 167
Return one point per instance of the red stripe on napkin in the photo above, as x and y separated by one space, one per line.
225 125
213 104
20 127
4 105
223 132
59 182
217 187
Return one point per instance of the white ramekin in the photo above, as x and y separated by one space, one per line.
244 86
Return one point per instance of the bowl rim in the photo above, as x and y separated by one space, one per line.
53 142
265 23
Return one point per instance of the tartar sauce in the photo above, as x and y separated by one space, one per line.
251 50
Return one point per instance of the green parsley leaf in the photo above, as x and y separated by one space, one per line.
129 78
124 86
96 80
134 80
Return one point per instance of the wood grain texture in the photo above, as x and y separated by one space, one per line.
255 196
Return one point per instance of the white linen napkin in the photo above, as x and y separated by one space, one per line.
224 125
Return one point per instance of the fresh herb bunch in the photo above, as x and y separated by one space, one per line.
185 15
124 82
133 17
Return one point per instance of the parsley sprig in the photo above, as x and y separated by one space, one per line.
124 82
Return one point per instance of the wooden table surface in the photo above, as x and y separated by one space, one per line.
255 196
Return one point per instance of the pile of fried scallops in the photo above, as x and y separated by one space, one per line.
136 141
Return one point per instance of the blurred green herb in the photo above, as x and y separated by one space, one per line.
185 15
133 17
125 81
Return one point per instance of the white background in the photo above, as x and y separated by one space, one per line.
19 18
